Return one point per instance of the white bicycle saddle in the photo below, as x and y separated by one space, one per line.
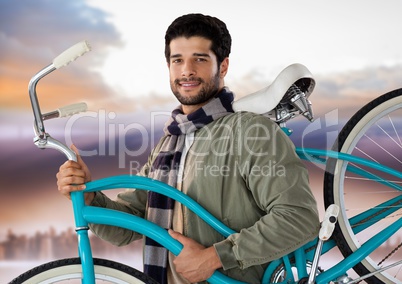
268 98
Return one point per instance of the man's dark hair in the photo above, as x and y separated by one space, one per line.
203 26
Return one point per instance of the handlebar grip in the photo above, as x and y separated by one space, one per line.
71 54
72 109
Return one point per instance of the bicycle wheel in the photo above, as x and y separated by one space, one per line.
374 133
69 271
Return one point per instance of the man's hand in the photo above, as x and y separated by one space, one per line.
195 262
72 176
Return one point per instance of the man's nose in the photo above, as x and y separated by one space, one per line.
188 69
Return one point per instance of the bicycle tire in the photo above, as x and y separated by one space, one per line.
357 138
70 268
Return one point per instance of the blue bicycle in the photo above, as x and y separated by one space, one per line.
362 186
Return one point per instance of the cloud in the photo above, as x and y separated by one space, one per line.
360 82
32 33
349 91
55 22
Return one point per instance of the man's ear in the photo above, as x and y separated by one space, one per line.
224 67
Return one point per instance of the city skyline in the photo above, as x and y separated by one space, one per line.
19 253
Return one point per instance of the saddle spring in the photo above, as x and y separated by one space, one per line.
294 102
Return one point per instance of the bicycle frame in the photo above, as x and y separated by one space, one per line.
88 214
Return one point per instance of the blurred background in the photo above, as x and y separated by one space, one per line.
353 49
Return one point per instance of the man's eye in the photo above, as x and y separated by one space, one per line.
201 59
176 60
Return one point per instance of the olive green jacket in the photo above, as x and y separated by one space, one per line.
244 170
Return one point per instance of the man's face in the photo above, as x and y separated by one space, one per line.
194 74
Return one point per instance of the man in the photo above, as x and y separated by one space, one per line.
239 166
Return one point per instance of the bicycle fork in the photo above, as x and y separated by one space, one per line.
84 246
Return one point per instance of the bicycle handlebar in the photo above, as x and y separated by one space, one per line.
69 55
66 111
72 109
42 139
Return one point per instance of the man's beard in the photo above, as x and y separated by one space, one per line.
208 91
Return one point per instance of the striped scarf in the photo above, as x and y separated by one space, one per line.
166 167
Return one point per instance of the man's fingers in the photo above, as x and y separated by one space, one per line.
67 189
70 179
77 152
70 171
75 149
179 237
69 165
81 162
175 235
